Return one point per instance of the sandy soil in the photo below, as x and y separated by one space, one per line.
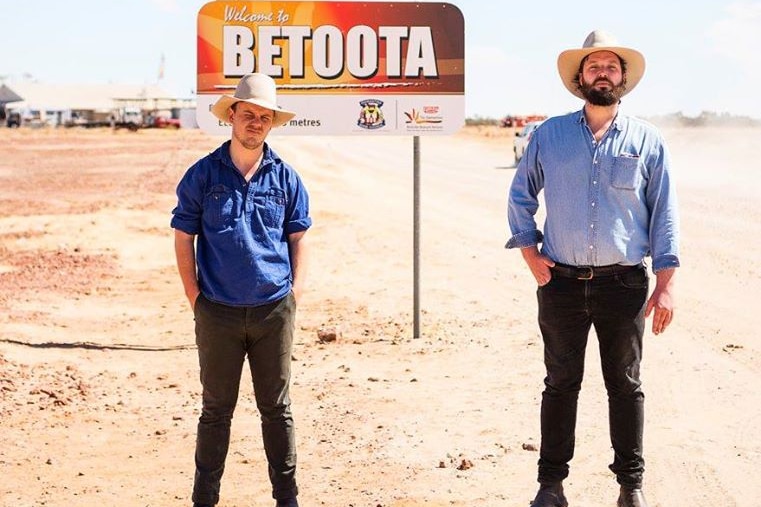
99 391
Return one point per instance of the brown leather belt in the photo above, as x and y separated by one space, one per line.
589 272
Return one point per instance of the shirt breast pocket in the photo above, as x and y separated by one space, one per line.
220 206
625 172
274 208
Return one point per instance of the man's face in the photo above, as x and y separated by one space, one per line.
602 80
251 124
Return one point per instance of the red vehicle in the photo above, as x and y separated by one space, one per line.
520 121
162 123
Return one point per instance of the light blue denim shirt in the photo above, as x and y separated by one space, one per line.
606 202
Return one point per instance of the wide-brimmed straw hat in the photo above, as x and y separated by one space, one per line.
259 89
570 59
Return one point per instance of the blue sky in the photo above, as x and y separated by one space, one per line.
701 55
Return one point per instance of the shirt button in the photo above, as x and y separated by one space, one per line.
593 205
591 247
592 226
594 183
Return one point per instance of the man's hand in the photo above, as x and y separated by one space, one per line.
662 301
297 290
193 298
298 248
538 264
184 249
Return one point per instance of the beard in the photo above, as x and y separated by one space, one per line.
603 97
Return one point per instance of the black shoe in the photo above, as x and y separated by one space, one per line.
550 495
631 497
287 502
202 505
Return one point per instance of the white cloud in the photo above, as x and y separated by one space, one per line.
499 81
485 56
736 70
166 5
737 37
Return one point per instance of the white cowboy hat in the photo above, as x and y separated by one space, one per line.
259 89
569 61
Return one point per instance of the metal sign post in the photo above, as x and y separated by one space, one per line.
416 237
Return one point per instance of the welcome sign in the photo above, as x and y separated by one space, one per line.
364 68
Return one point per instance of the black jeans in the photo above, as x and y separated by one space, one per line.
615 306
225 335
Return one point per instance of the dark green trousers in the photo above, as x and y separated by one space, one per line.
225 336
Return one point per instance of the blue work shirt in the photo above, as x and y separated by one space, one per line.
607 202
242 228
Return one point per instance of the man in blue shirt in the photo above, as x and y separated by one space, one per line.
610 203
240 221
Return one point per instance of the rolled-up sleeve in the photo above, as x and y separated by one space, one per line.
664 216
186 216
297 218
523 201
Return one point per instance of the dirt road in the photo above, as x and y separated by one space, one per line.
99 394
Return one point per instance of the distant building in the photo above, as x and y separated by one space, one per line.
39 104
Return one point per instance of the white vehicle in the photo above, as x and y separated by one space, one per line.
522 138
132 116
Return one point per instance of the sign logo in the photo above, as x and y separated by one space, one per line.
371 114
428 115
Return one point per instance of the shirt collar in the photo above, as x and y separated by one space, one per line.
619 122
223 155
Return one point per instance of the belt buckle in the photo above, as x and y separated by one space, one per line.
585 276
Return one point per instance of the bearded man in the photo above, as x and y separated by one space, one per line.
610 203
